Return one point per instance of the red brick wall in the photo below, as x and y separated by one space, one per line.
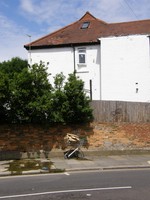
29 138
34 138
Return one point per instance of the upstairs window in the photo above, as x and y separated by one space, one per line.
82 55
85 25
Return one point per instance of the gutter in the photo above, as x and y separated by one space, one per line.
59 45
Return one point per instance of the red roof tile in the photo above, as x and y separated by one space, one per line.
73 34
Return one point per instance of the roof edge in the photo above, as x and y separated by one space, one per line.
60 45
50 34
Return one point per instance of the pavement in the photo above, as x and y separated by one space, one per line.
91 161
103 163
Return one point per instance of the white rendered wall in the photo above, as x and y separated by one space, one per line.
62 60
119 68
58 59
125 68
90 71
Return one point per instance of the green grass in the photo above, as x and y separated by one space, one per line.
17 166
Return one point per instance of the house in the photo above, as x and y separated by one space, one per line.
113 59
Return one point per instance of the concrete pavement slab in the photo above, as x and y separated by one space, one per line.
91 162
103 162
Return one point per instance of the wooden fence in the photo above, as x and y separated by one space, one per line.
120 111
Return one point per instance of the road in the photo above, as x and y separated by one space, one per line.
93 185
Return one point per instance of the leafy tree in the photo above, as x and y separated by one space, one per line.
41 89
8 69
59 103
26 96
70 103
13 66
24 93
4 95
31 95
78 110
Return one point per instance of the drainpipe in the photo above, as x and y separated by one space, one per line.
74 60
149 49
30 59
91 90
100 69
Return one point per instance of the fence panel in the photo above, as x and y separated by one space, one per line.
120 111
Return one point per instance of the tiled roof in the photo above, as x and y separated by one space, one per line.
74 34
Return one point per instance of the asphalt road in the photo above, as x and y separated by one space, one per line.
96 185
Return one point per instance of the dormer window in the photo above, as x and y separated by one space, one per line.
85 25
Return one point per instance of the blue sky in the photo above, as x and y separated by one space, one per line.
40 17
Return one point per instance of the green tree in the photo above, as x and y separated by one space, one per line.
41 94
25 93
59 102
4 96
13 66
31 95
8 71
78 110
26 96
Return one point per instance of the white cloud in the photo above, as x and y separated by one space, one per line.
27 6
48 11
62 12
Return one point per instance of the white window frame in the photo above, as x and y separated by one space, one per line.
82 52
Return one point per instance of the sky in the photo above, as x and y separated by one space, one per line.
20 19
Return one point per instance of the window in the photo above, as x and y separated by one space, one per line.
85 25
82 55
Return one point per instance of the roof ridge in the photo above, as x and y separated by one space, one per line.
102 21
143 20
87 13
91 17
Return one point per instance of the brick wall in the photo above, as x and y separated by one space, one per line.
29 138
35 138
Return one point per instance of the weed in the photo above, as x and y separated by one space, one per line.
17 166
